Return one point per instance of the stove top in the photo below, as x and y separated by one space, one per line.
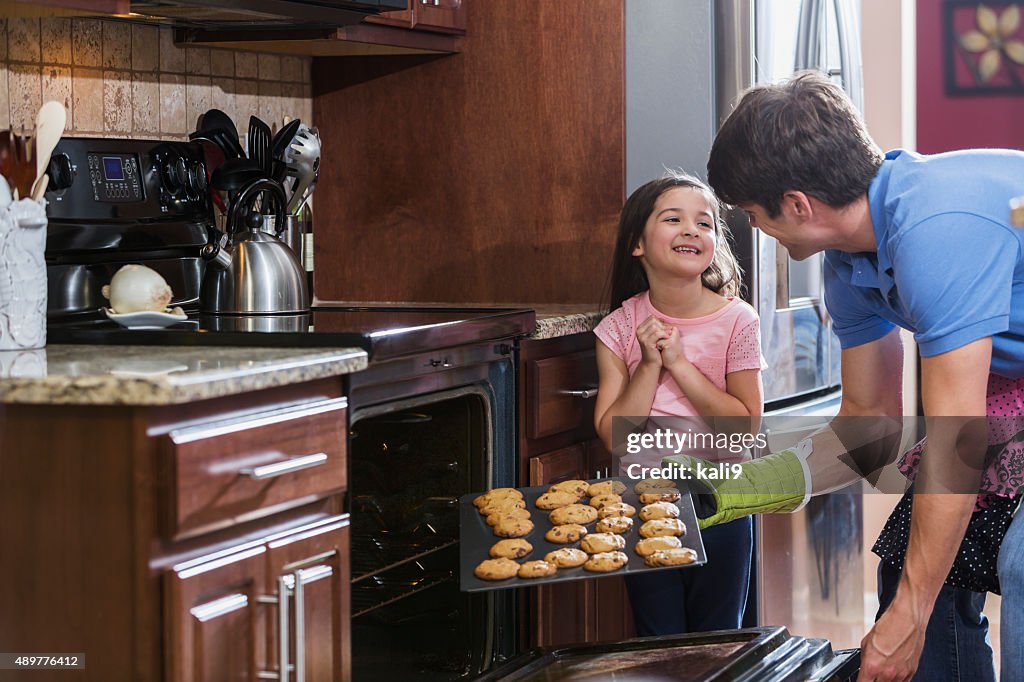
383 331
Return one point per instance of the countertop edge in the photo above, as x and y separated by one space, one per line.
553 325
141 390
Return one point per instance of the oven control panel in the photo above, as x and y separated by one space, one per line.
115 177
127 180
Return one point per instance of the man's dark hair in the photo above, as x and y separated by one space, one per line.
803 134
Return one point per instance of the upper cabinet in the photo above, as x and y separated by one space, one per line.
442 16
46 8
423 27
301 27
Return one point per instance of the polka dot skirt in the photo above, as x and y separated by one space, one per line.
975 565
1001 485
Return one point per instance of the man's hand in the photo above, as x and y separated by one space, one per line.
892 648
774 483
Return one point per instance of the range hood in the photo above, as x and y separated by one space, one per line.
260 14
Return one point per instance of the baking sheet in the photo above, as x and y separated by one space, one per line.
476 539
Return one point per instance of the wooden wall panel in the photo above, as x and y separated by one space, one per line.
492 175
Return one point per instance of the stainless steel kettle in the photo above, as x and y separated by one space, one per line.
252 272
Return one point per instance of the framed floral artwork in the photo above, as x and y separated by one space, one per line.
984 48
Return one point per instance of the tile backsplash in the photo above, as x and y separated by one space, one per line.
119 79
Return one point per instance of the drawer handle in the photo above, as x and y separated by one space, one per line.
286 467
586 393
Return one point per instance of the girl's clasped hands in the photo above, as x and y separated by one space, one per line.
660 344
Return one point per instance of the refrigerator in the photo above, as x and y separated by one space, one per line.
687 62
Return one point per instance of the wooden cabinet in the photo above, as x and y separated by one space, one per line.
251 466
425 27
238 613
189 543
217 623
558 385
49 8
484 163
441 16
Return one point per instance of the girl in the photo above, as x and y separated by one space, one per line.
680 343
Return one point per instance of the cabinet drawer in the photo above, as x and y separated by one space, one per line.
560 465
560 393
235 470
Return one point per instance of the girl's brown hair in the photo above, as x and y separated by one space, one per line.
628 277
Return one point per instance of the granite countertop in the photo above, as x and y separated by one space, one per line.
562 320
166 375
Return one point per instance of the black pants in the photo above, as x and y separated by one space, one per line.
709 597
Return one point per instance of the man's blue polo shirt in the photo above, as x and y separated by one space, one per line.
949 265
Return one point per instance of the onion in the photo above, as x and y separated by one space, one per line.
135 288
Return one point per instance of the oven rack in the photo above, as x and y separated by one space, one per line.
374 553
397 584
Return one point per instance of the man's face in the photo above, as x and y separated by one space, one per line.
783 227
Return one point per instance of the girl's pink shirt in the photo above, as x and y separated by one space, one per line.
726 341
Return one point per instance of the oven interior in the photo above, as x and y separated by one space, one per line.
410 463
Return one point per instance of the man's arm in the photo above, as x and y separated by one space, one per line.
855 444
953 388
860 438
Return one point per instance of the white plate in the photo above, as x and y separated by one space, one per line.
145 319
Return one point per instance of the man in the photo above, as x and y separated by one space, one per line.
918 242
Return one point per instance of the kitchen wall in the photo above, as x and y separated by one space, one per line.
945 122
126 79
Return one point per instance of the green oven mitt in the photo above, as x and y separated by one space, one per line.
770 484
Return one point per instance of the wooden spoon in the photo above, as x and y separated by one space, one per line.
50 122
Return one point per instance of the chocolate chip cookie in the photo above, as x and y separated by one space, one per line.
556 499
537 569
605 488
565 533
567 557
496 569
513 528
496 494
653 484
659 510
574 513
615 524
671 557
603 562
665 495
604 500
515 548
511 513
617 509
602 542
649 546
662 527
502 504
575 486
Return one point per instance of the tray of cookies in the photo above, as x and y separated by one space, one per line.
572 530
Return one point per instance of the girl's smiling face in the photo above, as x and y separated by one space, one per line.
680 234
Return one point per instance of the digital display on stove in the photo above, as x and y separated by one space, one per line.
113 168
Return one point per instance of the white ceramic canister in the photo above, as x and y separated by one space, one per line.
23 275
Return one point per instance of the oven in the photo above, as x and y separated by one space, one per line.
423 431
432 418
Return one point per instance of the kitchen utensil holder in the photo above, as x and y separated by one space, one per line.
22 275
293 233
